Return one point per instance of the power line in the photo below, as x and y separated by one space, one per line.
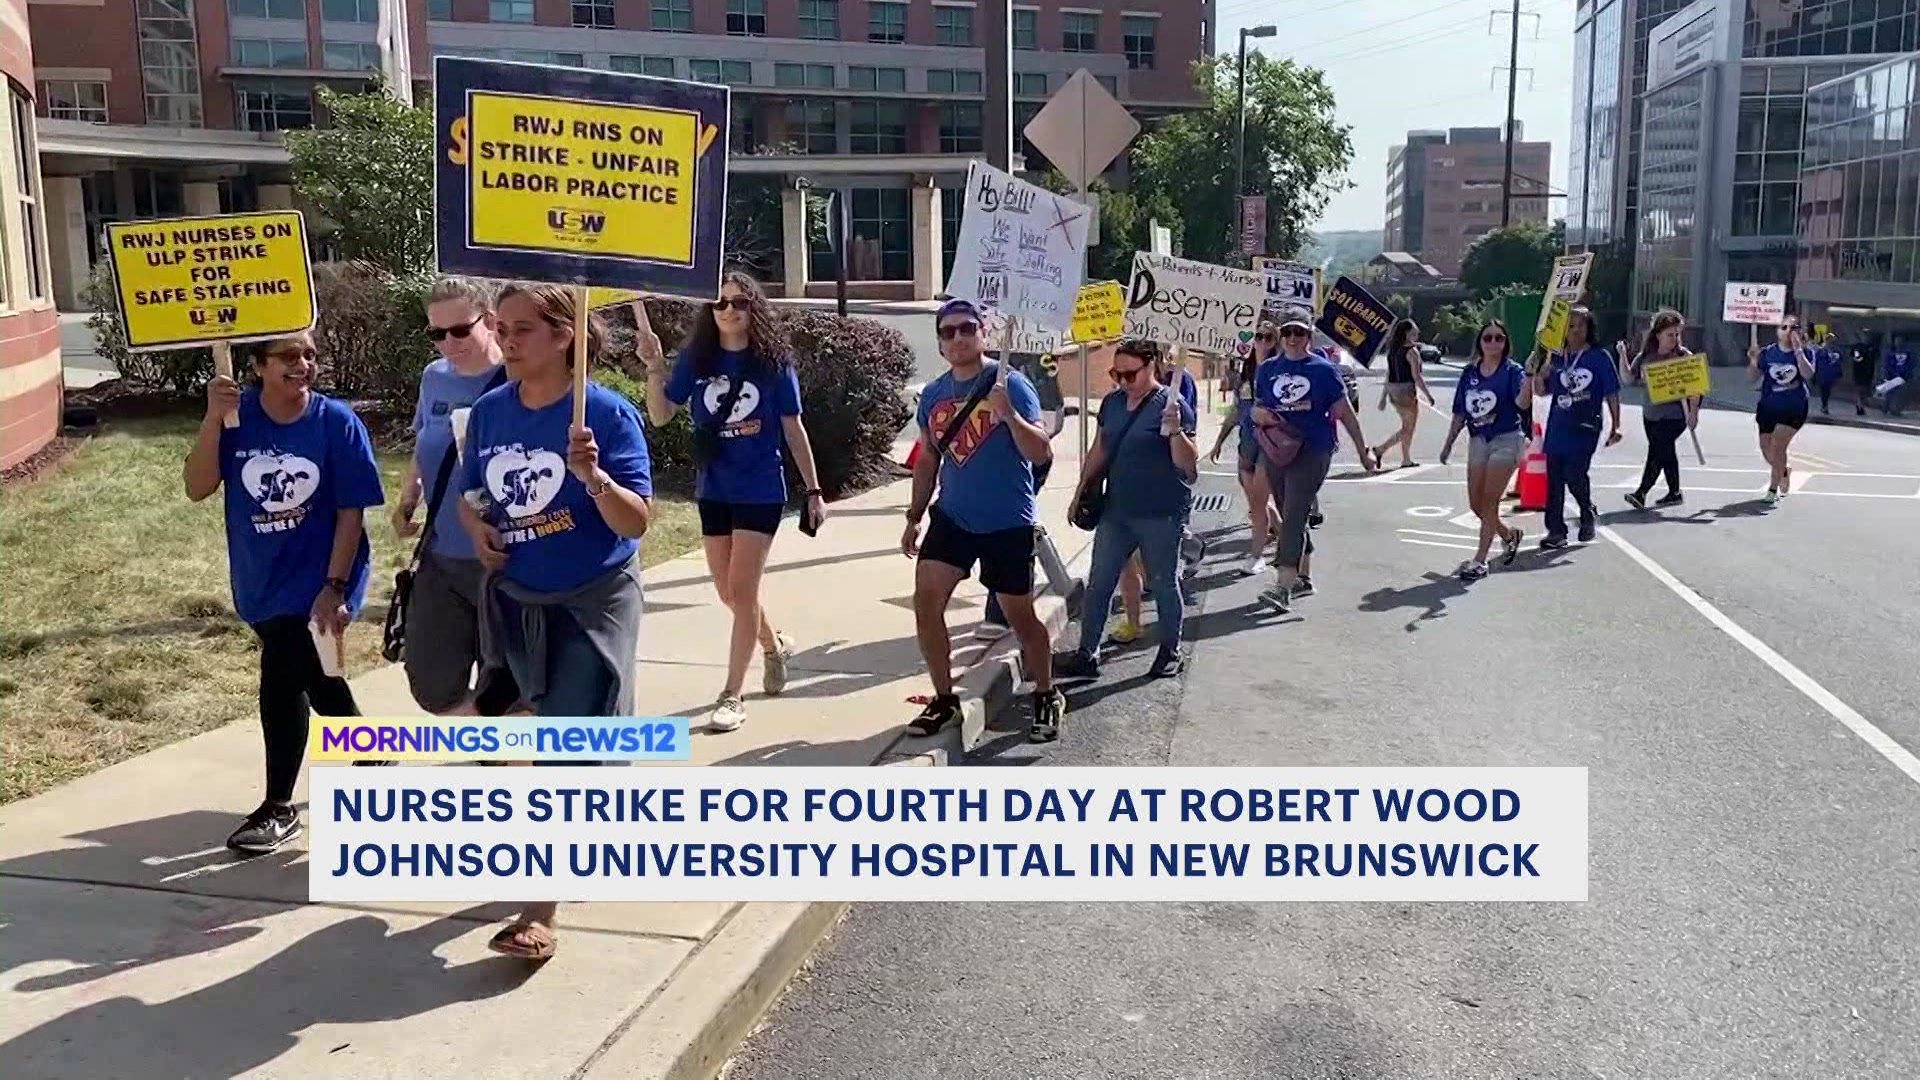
1382 25
1455 30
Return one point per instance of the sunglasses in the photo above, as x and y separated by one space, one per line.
441 333
1493 339
1264 335
737 303
1293 331
1127 375
954 330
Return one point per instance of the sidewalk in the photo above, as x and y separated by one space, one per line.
136 946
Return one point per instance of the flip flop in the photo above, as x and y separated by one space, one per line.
526 940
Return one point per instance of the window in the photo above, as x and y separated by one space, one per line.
26 192
810 127
820 19
270 52
872 78
743 129
71 99
510 11
350 56
817 76
953 26
881 247
962 128
273 106
593 14
720 71
1079 32
1030 84
671 16
1136 40
350 11
565 59
946 81
249 9
659 66
747 18
1110 82
877 127
1026 28
887 22
440 10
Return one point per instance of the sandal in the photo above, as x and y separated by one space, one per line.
526 940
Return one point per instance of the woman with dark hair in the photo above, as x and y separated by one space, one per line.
1665 422
1490 402
556 513
735 374
1405 379
1263 521
1578 380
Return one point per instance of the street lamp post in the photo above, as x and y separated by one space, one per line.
1240 111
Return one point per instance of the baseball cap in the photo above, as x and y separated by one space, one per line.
957 306
1295 317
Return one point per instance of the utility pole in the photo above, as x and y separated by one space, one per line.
1513 74
1001 137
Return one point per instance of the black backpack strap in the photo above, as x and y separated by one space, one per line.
445 474
727 402
988 375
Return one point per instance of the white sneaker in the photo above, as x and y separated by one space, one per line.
1256 566
728 714
774 669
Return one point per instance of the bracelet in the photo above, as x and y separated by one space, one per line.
812 491
604 488
338 585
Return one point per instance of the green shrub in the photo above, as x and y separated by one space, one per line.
372 333
181 371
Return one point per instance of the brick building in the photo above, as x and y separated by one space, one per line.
30 380
1444 191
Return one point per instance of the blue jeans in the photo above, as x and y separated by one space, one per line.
578 681
1114 542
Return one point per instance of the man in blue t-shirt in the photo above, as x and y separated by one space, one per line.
980 438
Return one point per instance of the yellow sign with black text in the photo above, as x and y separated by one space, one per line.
1681 377
1553 325
1099 312
195 281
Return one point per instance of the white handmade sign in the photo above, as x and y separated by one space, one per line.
1198 305
1292 284
1026 336
1754 302
1021 249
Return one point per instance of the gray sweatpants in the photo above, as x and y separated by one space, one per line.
1294 490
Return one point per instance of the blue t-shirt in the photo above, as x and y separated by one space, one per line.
1189 390
1899 364
442 390
1577 386
750 467
985 484
1143 481
553 533
1303 392
285 484
1826 366
1245 400
1781 386
1490 403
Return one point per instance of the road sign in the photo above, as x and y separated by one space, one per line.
196 281
1082 129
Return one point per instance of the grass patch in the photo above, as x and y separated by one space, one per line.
119 633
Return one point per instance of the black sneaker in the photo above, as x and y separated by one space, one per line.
1166 664
1473 571
1303 586
266 829
1510 546
1076 665
1671 498
1314 521
1587 532
1277 597
1636 500
1049 707
1552 543
937 714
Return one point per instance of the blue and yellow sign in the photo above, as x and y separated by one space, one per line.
1355 320
580 177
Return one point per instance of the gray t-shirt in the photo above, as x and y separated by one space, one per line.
1667 410
1142 480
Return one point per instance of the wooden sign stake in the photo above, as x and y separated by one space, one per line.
581 316
223 366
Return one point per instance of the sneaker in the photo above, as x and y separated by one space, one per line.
1587 532
1636 500
1049 707
774 671
1671 498
1552 543
936 714
1277 598
1314 521
1473 571
728 714
266 829
1255 566
1076 665
1772 497
1510 546
1303 587
1166 664
1124 630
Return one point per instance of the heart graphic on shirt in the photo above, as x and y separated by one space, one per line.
524 483
1480 403
1782 374
1291 388
280 481
1576 379
716 392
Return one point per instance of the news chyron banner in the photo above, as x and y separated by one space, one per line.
202 280
579 177
1354 319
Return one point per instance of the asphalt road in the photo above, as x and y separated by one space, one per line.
1725 673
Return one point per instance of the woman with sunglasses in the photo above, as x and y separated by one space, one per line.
1579 380
1263 521
1782 370
1406 378
556 513
737 362
1664 422
1490 402
299 473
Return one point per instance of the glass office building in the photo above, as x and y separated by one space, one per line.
1859 209
1597 138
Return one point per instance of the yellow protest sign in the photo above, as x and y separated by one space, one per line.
1681 377
1099 311
598 297
1553 325
195 281
1820 331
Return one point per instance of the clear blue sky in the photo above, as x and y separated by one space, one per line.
1397 65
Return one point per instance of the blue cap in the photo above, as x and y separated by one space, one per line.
957 306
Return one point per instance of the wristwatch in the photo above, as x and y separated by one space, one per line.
338 585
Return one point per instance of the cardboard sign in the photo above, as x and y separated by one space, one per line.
1567 281
1292 284
1681 377
1099 312
198 280
1021 248
1753 302
1198 305
1552 331
1004 332
1355 320
580 177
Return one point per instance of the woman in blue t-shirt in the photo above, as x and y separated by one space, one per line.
1578 380
737 361
299 473
1782 370
1489 402
556 514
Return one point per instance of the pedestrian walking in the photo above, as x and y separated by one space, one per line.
1781 370
1406 384
980 439
736 377
1490 403
1263 521
1866 361
1299 399
299 473
556 514
1827 366
1144 461
1577 380
1664 422
1899 373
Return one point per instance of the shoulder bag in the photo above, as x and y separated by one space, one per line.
1091 502
982 387
706 440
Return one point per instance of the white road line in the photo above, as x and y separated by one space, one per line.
1436 543
1441 535
1900 756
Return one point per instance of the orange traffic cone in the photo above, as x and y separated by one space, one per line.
1533 474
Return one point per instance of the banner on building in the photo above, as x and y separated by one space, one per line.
1253 224
1021 249
580 177
1196 305
1754 302
200 280
1355 320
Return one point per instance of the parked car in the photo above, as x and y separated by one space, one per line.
1430 353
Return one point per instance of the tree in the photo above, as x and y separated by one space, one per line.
1519 254
1296 156
1401 303
371 175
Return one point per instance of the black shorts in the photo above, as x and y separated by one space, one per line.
1005 557
1772 417
722 518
